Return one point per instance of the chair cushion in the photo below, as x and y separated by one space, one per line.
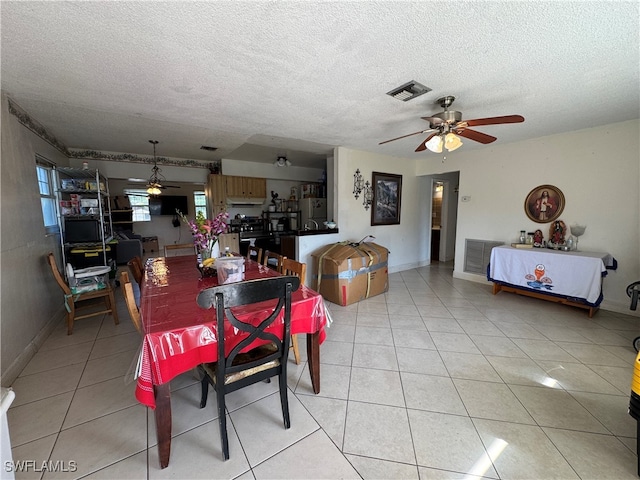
245 358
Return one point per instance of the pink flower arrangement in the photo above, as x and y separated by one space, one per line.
205 232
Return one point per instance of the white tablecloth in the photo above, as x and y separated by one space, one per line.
576 275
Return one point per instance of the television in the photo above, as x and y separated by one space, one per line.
167 204
82 230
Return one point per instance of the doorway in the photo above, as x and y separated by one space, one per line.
436 218
444 216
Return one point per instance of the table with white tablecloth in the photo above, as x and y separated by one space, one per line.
573 277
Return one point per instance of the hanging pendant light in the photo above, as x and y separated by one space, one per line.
155 181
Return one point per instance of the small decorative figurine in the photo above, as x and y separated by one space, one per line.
538 238
557 232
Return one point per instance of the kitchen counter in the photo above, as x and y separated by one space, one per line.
285 233
323 231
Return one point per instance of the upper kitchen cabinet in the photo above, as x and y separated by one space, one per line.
246 187
217 194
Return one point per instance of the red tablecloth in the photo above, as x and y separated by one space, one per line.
179 335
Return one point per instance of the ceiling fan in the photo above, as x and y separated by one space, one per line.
155 182
448 126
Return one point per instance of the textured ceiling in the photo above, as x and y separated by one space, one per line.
262 79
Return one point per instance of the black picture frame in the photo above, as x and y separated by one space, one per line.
387 196
544 204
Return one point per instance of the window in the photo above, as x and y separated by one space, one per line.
47 196
200 201
139 200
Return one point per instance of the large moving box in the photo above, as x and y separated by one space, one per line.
346 273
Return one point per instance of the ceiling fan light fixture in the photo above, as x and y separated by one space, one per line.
153 190
155 181
435 144
282 162
452 142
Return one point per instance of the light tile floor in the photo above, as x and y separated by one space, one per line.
438 378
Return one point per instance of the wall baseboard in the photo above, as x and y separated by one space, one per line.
16 367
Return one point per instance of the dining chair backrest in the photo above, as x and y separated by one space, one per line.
244 363
74 302
255 254
273 260
57 275
137 269
225 297
130 300
293 267
179 249
231 240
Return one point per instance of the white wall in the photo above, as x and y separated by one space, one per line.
407 242
597 169
32 302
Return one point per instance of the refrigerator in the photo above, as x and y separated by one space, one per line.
312 209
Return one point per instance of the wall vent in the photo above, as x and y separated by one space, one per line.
408 91
477 254
208 149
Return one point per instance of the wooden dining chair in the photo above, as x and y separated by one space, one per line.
74 302
231 240
130 300
187 249
273 260
137 269
235 370
255 254
293 267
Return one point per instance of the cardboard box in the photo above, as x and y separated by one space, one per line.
345 273
150 244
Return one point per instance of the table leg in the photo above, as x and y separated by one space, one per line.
163 422
313 357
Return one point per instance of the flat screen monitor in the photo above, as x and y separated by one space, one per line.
86 230
167 205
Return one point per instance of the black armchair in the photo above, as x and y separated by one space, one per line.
129 246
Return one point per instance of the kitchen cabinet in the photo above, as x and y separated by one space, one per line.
246 187
216 194
288 246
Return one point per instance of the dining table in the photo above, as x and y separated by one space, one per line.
178 335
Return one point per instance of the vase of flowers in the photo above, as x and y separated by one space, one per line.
205 234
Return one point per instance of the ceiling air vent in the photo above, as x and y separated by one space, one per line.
408 91
208 149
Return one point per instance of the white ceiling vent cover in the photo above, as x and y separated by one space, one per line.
408 91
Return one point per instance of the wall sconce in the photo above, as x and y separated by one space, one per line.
367 195
358 183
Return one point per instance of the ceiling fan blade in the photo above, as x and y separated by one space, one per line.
422 146
475 135
433 120
404 136
495 120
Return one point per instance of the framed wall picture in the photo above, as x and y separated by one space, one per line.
544 204
387 193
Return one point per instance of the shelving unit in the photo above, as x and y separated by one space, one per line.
84 212
290 215
122 219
